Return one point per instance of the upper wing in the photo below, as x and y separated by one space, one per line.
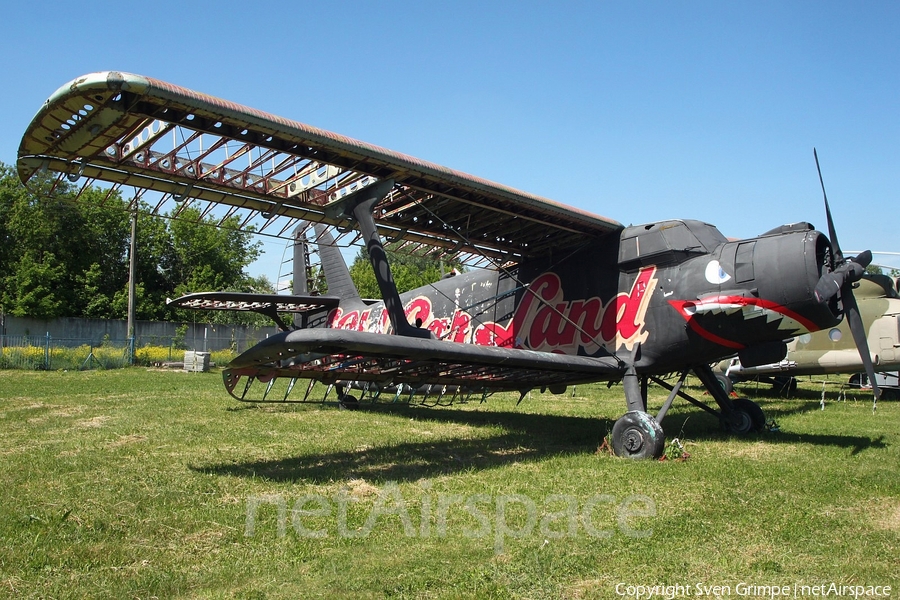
333 355
137 131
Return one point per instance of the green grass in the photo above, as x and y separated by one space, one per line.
137 484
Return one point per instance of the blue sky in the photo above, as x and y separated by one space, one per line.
638 111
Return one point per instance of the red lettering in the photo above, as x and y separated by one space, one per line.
494 334
459 328
353 320
585 315
350 320
545 289
551 323
551 328
363 321
438 327
419 309
623 318
543 318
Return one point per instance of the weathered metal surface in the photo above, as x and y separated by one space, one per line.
335 355
253 302
137 131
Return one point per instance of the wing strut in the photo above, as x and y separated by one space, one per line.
359 206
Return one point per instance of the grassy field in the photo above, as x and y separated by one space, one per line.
140 484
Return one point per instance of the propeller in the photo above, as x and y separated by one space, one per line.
850 271
839 280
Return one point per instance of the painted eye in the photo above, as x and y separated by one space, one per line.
715 274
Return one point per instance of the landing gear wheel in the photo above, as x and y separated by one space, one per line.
784 386
638 435
348 402
726 383
746 417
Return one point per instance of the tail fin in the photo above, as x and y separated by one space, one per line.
337 275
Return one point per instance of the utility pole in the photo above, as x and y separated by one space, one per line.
131 282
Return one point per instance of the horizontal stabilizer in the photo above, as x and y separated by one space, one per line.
253 302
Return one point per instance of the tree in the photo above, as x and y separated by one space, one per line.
101 270
210 258
207 257
65 257
32 287
873 270
409 271
60 257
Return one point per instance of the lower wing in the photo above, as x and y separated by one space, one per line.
337 355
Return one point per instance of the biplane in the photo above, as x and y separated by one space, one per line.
553 296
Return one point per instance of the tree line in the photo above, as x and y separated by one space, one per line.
65 258
62 257
409 271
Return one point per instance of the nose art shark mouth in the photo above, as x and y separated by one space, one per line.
736 313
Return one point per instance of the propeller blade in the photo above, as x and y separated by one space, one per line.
841 278
828 286
863 259
834 281
858 329
832 234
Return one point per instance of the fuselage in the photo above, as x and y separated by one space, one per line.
680 289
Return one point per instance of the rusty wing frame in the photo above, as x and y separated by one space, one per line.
369 361
240 164
272 172
268 305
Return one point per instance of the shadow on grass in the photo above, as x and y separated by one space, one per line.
526 437
811 395
855 443
703 426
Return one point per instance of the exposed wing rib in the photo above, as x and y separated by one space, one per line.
142 132
241 301
331 355
265 304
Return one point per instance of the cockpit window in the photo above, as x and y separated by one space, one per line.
679 237
709 236
666 242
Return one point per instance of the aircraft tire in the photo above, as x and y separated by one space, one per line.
348 402
784 386
725 381
638 435
747 417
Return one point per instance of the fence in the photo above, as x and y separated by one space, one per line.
75 343
46 352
